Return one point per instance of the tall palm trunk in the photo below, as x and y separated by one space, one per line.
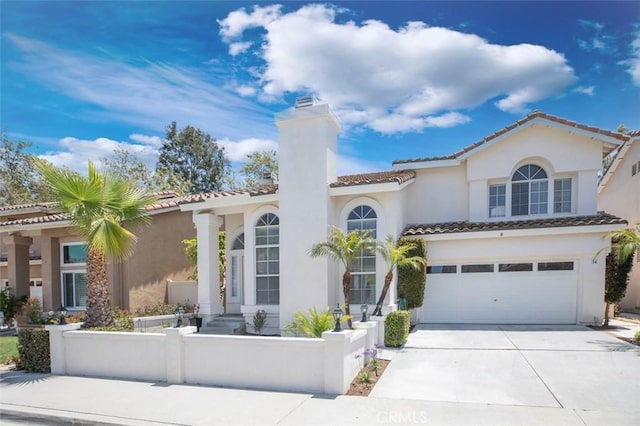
387 283
607 305
346 285
99 311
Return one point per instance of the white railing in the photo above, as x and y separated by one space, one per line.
177 355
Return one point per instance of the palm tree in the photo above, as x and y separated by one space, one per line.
99 205
395 255
624 244
344 248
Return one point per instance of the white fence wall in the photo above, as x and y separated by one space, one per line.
326 365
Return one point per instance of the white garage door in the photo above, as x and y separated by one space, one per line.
504 293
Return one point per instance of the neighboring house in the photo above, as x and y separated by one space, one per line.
511 225
619 194
42 256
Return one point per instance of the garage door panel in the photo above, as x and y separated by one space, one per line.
501 297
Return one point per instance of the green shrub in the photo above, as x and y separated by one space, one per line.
313 324
157 309
123 321
411 281
396 329
259 321
9 305
636 337
33 347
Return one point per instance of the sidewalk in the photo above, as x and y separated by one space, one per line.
38 399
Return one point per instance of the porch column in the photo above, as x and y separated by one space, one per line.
51 289
18 268
207 230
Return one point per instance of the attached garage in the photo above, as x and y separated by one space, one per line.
542 271
507 292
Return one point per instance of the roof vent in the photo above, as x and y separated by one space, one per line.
306 101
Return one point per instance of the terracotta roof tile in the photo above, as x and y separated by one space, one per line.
26 206
535 114
554 222
253 192
35 220
397 176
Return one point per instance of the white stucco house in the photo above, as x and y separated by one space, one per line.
511 224
619 194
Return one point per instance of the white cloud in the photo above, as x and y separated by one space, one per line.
237 151
589 90
245 90
348 165
393 80
146 94
239 47
75 153
633 62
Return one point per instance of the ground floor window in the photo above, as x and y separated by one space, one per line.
74 289
363 289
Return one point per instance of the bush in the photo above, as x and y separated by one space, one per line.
396 329
636 337
411 281
157 309
9 305
33 347
123 321
313 324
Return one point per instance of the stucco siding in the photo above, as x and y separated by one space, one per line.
437 195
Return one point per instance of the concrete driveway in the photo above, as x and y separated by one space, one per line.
543 366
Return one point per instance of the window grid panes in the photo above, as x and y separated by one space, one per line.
74 289
515 267
555 266
529 191
238 243
363 270
268 260
497 200
562 195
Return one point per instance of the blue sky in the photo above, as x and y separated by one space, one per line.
406 78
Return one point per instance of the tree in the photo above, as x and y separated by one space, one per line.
395 255
20 182
99 205
260 164
191 251
194 156
128 166
344 248
412 282
618 264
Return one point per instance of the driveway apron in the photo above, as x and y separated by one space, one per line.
543 366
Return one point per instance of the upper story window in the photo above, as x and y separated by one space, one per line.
562 195
529 191
74 254
268 260
363 270
497 200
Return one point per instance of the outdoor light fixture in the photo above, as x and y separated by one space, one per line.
61 313
337 316
179 314
363 308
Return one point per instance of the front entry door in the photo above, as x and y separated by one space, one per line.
236 282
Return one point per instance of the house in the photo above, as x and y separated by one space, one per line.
619 194
42 256
511 225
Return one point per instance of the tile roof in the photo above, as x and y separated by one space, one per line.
397 176
36 220
535 114
253 192
554 222
25 206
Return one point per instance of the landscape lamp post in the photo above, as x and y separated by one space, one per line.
337 316
61 313
363 308
179 314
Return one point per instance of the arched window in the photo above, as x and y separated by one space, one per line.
238 243
268 260
363 271
236 270
529 191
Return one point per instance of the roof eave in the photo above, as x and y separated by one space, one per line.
368 188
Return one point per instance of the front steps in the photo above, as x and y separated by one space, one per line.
225 324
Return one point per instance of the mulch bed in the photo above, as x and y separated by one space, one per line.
360 388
